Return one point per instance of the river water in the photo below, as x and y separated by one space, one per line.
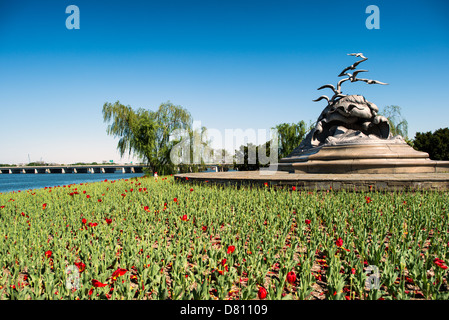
23 181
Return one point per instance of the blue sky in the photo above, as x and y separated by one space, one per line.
232 64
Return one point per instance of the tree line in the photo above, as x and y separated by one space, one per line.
147 135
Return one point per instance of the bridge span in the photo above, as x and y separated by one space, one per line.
73 169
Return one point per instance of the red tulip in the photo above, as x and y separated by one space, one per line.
223 262
307 221
291 277
44 206
175 199
48 254
184 218
81 266
231 249
118 273
98 284
294 188
191 189
339 242
108 221
440 263
262 293
84 221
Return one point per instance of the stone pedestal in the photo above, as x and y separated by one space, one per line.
380 157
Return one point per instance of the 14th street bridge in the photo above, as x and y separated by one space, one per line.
74 169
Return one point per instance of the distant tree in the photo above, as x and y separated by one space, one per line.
222 156
247 157
146 133
198 148
436 144
398 124
37 164
290 136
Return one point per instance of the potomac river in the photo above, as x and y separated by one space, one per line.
16 182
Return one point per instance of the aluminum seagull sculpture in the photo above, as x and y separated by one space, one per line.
369 81
351 77
353 66
358 55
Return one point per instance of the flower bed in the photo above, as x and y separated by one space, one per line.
146 239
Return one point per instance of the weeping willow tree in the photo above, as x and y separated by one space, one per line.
145 133
398 124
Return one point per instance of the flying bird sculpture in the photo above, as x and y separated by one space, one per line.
351 77
358 55
347 117
372 81
353 66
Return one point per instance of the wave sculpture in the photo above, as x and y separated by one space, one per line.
351 137
348 117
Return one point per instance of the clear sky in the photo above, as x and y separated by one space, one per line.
233 64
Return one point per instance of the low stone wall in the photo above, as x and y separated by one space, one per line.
348 182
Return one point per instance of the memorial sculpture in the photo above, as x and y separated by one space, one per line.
351 137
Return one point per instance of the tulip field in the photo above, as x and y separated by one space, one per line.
145 239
